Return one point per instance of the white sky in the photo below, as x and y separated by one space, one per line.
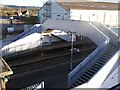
33 2
23 2
109 0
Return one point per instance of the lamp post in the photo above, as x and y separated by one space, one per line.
71 51
73 38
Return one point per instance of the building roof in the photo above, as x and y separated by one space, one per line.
5 70
88 5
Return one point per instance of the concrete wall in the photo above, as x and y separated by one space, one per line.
80 27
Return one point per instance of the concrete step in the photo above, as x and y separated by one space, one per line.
94 68
101 62
72 86
76 84
87 75
97 63
92 71
79 82
106 56
82 80
84 77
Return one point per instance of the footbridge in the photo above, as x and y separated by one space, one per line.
90 69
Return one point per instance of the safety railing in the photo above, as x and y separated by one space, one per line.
22 47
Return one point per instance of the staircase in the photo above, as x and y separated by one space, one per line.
93 69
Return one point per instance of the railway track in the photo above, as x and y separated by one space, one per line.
40 56
63 59
49 56
48 48
49 64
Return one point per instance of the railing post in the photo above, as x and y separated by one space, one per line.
69 79
42 85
